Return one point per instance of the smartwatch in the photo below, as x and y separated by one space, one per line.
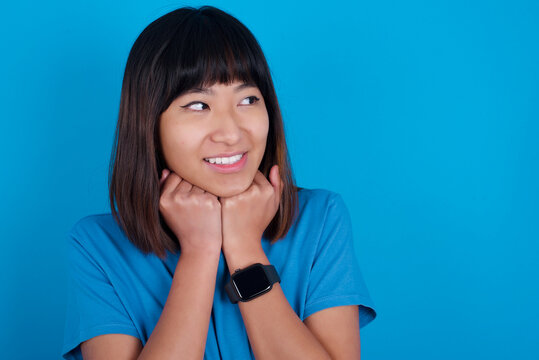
251 282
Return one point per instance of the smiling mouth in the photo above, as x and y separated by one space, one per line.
226 160
237 164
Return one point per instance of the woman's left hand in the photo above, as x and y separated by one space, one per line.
245 216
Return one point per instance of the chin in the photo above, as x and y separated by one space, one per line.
223 190
228 192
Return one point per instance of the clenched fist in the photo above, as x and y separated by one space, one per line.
193 214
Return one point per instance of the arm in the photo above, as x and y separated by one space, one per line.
182 329
337 328
273 328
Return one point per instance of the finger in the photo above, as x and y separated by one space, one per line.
260 179
197 190
184 186
276 180
170 183
164 174
281 183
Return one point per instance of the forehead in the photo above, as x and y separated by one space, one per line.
235 86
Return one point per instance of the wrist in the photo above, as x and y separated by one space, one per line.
241 258
251 282
201 254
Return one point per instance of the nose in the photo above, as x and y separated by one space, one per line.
226 129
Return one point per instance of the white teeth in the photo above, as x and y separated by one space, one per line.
225 160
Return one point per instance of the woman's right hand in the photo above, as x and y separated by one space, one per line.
193 214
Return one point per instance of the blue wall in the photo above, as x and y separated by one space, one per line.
423 115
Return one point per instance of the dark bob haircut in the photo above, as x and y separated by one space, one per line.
185 48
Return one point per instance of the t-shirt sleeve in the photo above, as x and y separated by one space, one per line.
335 278
94 307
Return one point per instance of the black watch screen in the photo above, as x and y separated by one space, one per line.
251 282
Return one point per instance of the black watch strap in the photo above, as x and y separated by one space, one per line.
270 272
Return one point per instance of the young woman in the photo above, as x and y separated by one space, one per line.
210 250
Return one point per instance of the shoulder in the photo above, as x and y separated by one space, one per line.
93 222
317 210
317 195
324 216
319 202
99 236
97 226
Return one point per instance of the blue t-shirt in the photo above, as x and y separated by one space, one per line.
115 288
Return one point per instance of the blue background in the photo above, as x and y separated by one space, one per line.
423 115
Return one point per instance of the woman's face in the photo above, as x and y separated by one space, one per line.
216 122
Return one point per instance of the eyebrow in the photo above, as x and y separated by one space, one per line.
208 91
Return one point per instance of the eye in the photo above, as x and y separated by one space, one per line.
196 105
251 100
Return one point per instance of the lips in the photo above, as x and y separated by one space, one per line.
225 154
229 168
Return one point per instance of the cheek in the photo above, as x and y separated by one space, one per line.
176 145
262 127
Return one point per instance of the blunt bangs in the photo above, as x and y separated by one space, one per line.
207 49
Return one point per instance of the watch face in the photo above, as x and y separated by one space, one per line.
251 282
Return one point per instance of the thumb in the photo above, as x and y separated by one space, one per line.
275 179
164 174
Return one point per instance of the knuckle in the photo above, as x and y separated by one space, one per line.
163 201
177 197
210 202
